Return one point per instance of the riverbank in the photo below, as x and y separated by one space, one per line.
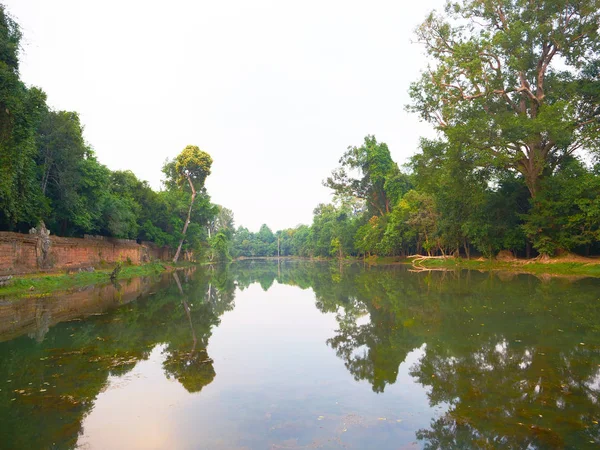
569 265
42 284
559 266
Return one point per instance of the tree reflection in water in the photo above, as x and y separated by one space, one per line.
55 381
516 361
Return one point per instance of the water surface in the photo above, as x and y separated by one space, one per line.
299 355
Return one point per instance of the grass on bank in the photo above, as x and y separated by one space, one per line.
556 266
40 285
568 265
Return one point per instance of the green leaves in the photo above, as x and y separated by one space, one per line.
220 244
363 174
492 83
566 215
193 165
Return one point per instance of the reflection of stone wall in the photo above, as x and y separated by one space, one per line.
35 316
21 252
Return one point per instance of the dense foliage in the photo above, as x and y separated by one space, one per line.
49 173
513 89
515 82
444 204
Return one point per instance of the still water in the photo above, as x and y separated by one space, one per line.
300 355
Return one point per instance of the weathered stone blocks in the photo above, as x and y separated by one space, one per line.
36 251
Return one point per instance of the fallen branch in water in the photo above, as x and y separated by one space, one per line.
418 259
418 269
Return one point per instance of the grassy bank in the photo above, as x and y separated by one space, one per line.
560 266
553 266
39 285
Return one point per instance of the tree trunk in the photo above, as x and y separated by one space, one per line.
533 164
187 222
187 312
46 175
375 204
532 183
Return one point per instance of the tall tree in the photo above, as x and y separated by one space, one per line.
191 166
374 166
61 150
221 229
517 80
20 111
222 221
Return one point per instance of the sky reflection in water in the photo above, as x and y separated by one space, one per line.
324 357
276 384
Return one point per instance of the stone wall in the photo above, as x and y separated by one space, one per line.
21 253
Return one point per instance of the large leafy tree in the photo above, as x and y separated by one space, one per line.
367 172
20 112
332 230
472 211
566 215
61 151
189 168
221 229
222 221
515 79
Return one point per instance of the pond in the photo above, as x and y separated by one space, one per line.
305 355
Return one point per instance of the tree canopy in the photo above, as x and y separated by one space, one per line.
192 165
373 165
514 80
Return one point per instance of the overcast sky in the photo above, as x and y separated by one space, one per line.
275 91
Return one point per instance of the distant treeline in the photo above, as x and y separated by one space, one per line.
49 173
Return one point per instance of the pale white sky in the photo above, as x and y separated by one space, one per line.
274 90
